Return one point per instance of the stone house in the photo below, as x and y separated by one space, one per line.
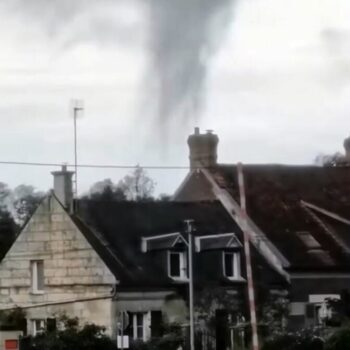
51 268
103 260
99 261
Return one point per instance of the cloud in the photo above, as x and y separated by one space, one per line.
67 23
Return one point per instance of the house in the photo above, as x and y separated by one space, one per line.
298 219
52 269
125 265
104 262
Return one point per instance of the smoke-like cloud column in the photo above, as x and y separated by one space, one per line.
184 36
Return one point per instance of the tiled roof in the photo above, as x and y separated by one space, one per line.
274 202
115 229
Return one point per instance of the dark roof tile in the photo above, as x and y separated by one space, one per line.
274 194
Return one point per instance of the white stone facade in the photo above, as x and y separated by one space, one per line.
76 280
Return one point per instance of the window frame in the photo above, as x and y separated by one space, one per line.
135 326
183 268
34 330
34 276
236 265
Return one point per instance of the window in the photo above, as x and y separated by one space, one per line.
320 310
177 262
37 273
232 265
308 240
138 326
38 326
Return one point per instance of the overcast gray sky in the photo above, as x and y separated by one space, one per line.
276 88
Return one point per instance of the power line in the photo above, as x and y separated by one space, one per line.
97 166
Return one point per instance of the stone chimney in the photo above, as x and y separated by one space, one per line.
203 149
63 186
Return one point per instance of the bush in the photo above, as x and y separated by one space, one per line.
303 340
90 337
340 340
172 339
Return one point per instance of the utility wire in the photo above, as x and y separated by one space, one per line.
96 166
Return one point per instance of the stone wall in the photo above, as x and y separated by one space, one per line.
72 268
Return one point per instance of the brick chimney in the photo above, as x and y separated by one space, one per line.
63 186
203 149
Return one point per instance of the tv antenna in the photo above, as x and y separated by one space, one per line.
77 106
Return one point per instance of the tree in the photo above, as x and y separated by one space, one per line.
163 197
25 200
137 186
340 340
331 160
106 190
5 193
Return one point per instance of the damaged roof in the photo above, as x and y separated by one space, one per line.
276 197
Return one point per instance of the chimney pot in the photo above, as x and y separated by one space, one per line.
196 131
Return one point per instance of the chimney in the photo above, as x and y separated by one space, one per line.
347 149
63 186
203 149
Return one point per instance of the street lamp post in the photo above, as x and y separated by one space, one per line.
189 231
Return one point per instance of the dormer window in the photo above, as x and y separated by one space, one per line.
177 265
232 265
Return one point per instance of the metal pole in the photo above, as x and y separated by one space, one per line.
76 109
190 268
122 333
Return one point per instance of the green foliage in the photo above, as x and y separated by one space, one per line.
211 299
307 339
172 339
340 340
71 336
273 313
15 318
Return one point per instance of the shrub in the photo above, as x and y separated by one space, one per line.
303 340
340 340
90 337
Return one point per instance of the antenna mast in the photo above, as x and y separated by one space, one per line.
77 107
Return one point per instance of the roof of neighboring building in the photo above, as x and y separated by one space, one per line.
274 195
8 230
115 230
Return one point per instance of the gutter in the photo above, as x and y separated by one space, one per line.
61 302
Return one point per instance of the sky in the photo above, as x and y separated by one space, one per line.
274 85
